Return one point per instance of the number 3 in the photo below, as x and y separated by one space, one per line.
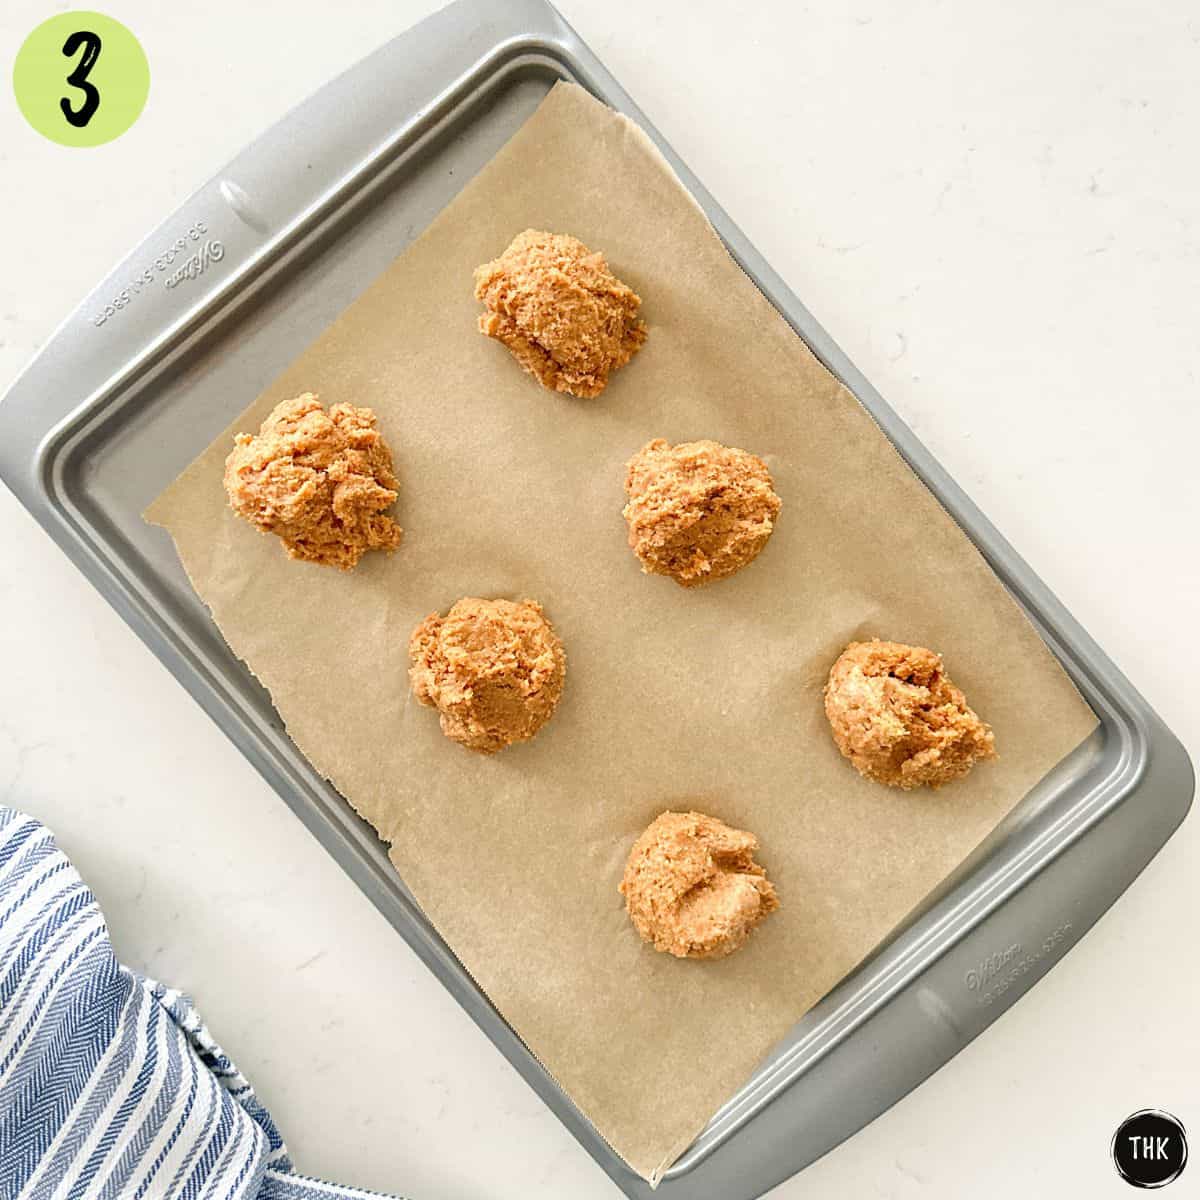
90 43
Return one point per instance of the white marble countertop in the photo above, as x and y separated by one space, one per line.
994 211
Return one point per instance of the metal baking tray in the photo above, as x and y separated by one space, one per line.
229 289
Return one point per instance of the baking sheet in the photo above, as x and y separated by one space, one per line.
707 698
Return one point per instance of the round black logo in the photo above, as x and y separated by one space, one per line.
1149 1149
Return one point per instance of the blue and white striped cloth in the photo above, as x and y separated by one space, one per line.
111 1088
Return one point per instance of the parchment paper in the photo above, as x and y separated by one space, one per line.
706 698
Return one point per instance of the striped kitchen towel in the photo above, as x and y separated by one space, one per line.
111 1088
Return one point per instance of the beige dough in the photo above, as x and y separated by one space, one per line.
494 669
897 716
698 511
318 480
692 887
561 312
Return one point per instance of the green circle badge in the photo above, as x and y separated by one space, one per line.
81 79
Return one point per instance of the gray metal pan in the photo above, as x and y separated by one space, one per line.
231 287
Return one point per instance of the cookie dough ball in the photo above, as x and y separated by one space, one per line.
698 511
318 480
492 668
565 317
897 716
692 887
